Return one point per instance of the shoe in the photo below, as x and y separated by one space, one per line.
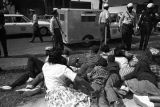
32 92
118 104
7 88
30 79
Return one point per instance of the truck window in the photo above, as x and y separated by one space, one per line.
88 17
61 16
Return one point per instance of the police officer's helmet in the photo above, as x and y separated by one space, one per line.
150 5
130 5
105 6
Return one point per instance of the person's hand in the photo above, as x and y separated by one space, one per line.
29 86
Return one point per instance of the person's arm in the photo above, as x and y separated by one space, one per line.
140 19
99 21
51 26
120 20
77 79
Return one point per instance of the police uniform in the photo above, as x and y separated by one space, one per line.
36 32
146 23
127 21
55 29
104 21
3 34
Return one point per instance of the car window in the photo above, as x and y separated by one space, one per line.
19 19
114 17
8 19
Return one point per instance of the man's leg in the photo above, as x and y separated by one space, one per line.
113 81
34 66
39 78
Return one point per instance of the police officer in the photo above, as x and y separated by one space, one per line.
146 23
55 29
104 21
3 34
36 32
127 22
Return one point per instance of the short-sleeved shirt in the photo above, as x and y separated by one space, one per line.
56 74
54 23
129 18
104 16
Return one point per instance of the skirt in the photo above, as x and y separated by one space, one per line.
67 97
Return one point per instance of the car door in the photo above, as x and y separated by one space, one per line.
23 26
114 28
10 25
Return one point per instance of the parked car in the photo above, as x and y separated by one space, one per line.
19 24
45 17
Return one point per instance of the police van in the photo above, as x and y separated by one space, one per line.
81 25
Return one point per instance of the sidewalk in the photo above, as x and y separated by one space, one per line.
20 49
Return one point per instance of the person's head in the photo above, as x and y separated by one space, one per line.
102 62
47 49
119 52
130 7
111 58
55 56
150 7
94 49
104 48
105 6
55 12
32 11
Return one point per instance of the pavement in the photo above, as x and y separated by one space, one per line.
19 50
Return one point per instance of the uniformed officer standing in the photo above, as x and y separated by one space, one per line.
104 21
36 32
3 34
127 22
55 29
146 23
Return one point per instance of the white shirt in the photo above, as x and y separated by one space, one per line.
55 74
104 16
122 61
54 23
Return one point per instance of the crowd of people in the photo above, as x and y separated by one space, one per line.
105 77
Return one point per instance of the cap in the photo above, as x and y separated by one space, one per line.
130 5
150 5
105 5
54 9
31 10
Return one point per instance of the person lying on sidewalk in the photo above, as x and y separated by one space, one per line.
97 78
113 83
90 62
34 74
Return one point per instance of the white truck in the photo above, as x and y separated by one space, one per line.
81 25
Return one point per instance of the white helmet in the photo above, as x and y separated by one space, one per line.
105 5
150 5
130 5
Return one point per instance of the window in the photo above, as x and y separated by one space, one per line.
19 19
8 19
114 17
88 17
61 16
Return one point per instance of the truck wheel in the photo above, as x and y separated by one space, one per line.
87 40
43 31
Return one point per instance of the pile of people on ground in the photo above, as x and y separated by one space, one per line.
104 78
